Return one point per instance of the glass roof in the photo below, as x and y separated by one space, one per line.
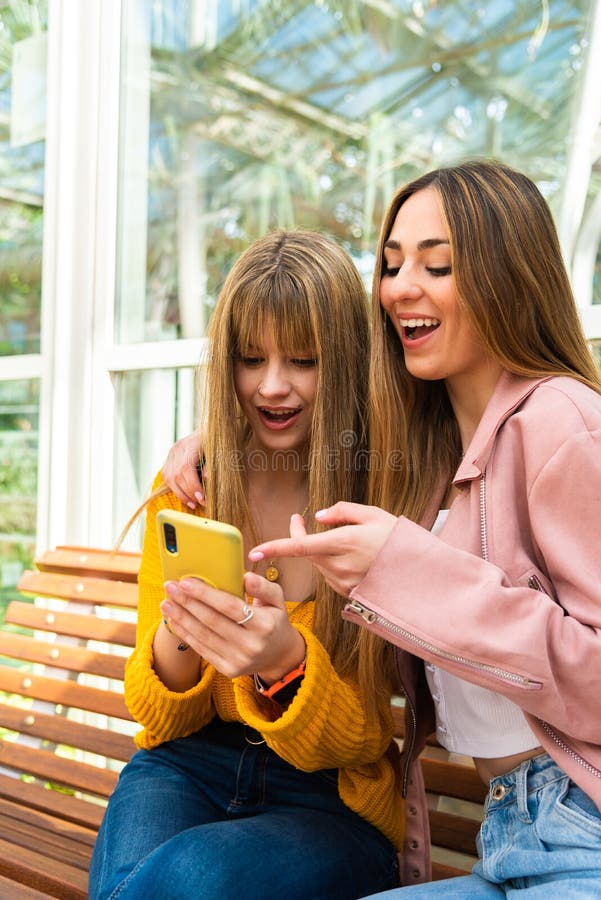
378 88
311 113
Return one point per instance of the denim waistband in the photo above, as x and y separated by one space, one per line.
231 734
514 786
240 737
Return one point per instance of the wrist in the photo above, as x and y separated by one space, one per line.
288 660
284 688
181 645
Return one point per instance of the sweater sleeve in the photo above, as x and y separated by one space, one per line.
325 725
164 714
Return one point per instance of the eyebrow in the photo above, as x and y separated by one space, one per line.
426 244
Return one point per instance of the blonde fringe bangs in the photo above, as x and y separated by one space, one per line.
260 311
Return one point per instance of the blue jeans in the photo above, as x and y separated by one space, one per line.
540 840
213 816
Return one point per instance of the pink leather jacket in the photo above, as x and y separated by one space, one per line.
508 594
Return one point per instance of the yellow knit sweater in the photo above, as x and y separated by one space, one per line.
323 728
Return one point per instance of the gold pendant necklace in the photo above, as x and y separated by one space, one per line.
272 573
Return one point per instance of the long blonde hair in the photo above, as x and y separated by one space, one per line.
304 290
513 287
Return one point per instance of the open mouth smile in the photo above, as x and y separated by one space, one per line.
279 417
415 328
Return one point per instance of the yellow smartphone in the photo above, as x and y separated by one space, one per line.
191 546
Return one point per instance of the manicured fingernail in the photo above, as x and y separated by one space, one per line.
200 497
191 505
170 588
167 608
189 583
256 555
320 513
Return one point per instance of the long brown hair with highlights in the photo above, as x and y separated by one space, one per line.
513 287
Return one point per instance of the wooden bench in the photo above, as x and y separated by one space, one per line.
69 664
66 731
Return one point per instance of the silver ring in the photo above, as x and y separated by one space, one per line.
248 614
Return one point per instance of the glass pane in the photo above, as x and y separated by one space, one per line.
19 410
153 410
244 117
22 128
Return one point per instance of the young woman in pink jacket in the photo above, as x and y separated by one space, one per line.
479 557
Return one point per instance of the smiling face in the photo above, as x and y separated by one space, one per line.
277 392
417 291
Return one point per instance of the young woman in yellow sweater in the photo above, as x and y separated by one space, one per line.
240 787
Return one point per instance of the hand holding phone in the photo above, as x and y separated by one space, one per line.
195 547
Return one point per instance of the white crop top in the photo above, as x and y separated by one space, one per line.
473 720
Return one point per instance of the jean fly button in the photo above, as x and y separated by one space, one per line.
499 791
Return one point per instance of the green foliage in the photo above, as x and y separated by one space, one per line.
20 19
20 214
18 484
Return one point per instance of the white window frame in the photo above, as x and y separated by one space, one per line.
79 359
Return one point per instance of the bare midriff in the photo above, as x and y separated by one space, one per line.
492 768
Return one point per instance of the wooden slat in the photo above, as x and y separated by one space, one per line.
97 563
67 851
57 769
71 624
453 832
60 730
62 656
65 692
98 591
57 879
57 839
453 780
65 806
10 890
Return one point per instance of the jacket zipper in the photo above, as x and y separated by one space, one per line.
407 750
409 754
371 618
483 529
534 584
568 750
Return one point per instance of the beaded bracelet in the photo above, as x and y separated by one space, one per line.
182 646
